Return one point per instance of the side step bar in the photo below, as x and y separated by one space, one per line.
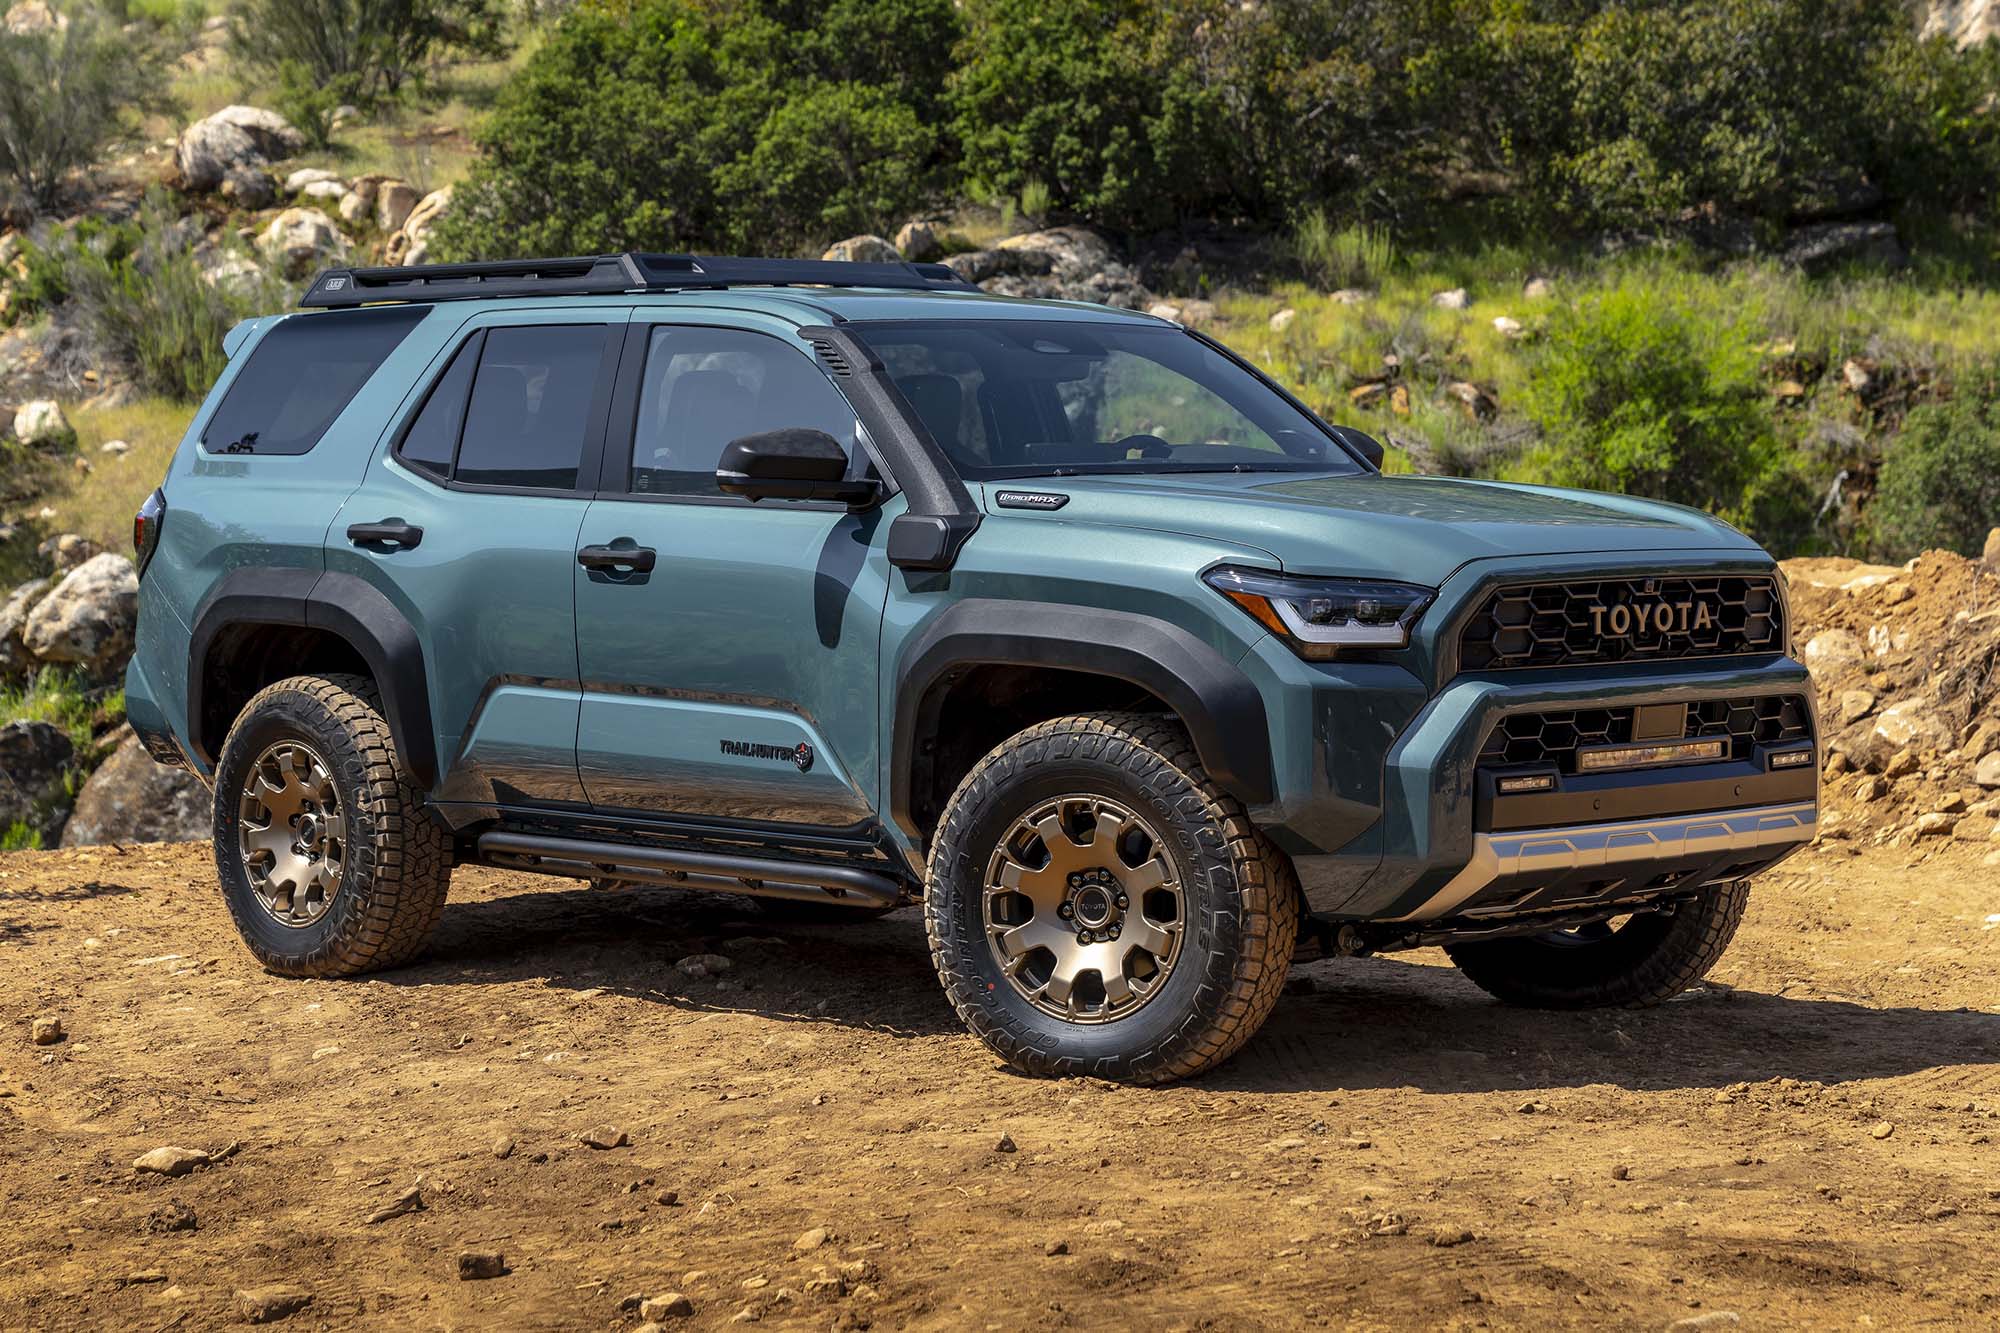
757 876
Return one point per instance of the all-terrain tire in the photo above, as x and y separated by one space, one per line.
396 857
1241 897
1647 961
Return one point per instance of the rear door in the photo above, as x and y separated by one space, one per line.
735 679
468 521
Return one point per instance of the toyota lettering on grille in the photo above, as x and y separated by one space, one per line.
1626 620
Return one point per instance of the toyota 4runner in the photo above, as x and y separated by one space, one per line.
847 586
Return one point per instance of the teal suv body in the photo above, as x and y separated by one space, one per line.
845 586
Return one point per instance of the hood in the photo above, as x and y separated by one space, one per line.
1415 529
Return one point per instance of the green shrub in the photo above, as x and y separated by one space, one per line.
1357 255
311 103
65 93
375 46
681 125
1939 485
21 837
1638 391
52 696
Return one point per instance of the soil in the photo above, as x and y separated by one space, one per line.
809 1136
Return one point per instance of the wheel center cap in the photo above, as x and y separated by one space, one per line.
309 830
1093 907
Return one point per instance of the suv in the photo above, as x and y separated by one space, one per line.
847 586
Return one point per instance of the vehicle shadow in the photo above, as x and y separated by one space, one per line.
1367 1023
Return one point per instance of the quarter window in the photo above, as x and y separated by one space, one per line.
704 387
300 376
432 440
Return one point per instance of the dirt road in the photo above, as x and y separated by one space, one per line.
1814 1147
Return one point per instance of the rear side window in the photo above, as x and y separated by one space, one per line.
432 440
301 376
512 409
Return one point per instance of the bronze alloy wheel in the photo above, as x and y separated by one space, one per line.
293 833
1083 910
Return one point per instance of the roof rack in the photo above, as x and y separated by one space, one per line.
611 275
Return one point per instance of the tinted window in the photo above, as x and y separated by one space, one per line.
1033 399
432 439
300 377
530 407
706 387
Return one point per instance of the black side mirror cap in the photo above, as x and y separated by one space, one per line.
792 464
1361 442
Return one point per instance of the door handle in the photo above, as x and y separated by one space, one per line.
624 558
391 532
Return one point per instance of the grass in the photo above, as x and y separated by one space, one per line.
55 697
98 504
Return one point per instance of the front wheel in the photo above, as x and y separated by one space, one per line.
1096 905
1647 960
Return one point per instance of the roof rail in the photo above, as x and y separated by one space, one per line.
611 275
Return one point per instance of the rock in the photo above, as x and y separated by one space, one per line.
809 1241
502 1147
1194 314
88 620
1901 764
425 215
39 423
1883 1129
1282 320
1935 823
409 1201
917 241
174 1216
298 239
1855 705
15 659
1911 722
1621 1172
265 1305
1060 263
114 447
132 798
34 755
170 1161
31 16
305 176
1713 1319
353 208
1857 375
68 551
1988 772
1445 1238
1368 395
236 136
1056 1247
476 1265
1164 310
668 1305
1789 391
45 1031
1006 1144
1476 402
249 187
1506 327
333 192
1827 244
865 249
1538 289
699 965
604 1136
1349 296
394 202
1455 299
1831 649
1991 554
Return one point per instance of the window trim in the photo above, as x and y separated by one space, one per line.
589 456
621 430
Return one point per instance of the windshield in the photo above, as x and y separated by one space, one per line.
1059 398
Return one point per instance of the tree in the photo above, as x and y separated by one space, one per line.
67 89
369 47
1940 481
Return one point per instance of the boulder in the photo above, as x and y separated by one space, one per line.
1910 725
864 250
328 192
33 758
131 798
394 202
1833 650
236 136
15 659
1990 556
1283 319
354 208
1824 245
235 273
88 621
304 176
412 244
1455 299
31 16
918 242
40 424
68 551
1538 289
249 187
299 239
1060 263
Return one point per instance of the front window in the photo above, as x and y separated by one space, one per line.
1035 398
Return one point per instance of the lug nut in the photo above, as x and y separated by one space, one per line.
1114 932
1122 901
1085 937
1065 911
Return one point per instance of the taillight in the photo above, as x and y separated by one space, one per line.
146 528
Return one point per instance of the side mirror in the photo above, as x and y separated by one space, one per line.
791 464
1362 443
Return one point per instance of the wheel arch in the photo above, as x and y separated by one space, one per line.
1147 658
261 625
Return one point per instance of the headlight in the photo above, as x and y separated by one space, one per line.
1319 617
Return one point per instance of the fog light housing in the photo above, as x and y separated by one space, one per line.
1789 758
1522 782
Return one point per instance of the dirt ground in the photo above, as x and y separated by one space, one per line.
1809 1143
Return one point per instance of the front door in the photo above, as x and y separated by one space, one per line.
727 649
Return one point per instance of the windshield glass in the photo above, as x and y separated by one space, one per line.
1059 398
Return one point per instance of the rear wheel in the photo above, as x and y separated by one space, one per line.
1097 906
328 862
1647 959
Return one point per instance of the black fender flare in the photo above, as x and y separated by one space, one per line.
1219 704
346 606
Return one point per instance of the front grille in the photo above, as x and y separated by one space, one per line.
1555 737
1623 620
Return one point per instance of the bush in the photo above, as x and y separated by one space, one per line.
146 303
1640 392
680 125
372 47
1940 482
1334 257
65 93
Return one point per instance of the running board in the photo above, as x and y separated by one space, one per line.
757 876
